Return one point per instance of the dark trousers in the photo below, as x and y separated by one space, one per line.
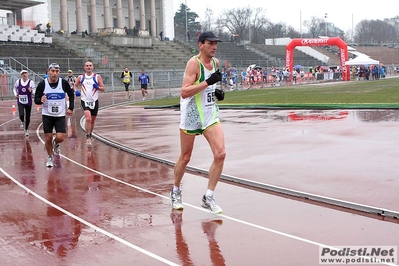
24 114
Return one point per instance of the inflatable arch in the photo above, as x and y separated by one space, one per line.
343 51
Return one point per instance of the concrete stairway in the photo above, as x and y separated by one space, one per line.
386 55
278 53
37 56
333 54
161 55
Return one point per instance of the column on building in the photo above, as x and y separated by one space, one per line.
64 16
107 20
132 21
93 17
153 19
142 16
79 15
119 14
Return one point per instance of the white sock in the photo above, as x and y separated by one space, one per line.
209 193
175 189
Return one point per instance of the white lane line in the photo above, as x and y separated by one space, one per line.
9 121
202 209
146 252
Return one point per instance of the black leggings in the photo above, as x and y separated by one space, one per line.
24 114
127 86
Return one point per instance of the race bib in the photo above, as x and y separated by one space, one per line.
54 107
90 105
23 99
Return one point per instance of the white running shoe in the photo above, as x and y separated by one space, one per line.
50 161
21 125
26 133
208 202
143 98
56 148
176 200
88 142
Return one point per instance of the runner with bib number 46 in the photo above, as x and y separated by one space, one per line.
90 83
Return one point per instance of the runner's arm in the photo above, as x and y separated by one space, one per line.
39 92
77 83
15 90
71 94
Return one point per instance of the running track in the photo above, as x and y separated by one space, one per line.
105 206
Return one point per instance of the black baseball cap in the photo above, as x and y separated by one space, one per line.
208 35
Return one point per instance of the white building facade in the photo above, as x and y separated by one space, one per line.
152 16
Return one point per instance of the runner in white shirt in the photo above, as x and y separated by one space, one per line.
90 83
51 94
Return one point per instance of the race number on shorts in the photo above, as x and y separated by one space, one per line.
90 105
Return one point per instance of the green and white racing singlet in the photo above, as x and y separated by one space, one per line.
200 111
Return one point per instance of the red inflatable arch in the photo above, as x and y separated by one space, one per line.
343 51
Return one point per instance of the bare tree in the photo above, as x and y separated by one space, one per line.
237 21
375 32
315 26
209 19
292 33
260 24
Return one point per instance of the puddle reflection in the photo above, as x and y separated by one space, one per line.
209 229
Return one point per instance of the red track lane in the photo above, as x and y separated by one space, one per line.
119 214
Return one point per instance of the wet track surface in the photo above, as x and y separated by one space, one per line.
104 206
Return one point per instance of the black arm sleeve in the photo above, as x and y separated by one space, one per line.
39 92
122 75
70 92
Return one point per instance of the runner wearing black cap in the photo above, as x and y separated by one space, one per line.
200 115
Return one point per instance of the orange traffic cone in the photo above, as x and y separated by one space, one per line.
13 108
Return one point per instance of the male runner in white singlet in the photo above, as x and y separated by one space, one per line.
51 94
90 83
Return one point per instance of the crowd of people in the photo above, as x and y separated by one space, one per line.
369 72
258 77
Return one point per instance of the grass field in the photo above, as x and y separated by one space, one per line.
383 93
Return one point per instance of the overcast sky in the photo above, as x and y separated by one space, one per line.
292 12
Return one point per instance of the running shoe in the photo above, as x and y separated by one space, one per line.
56 148
88 142
21 125
143 98
208 202
176 201
26 133
50 161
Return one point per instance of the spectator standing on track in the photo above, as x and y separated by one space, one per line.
200 115
90 83
51 94
24 88
126 77
144 79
